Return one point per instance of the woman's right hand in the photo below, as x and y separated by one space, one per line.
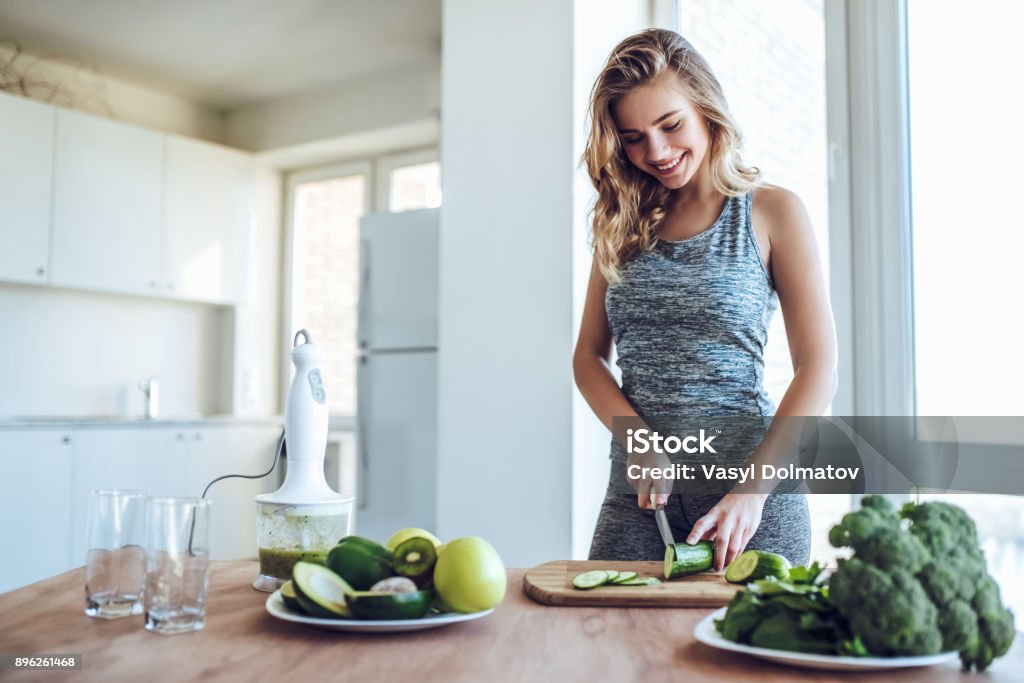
644 483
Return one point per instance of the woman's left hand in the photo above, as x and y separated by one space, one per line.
730 524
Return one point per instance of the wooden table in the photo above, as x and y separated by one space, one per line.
521 641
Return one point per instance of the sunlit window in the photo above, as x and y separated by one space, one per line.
415 187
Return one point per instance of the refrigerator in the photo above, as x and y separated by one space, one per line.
396 409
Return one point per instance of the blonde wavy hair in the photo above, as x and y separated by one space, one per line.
630 203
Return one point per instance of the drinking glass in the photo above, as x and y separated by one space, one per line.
177 564
115 563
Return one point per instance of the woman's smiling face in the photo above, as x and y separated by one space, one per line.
663 133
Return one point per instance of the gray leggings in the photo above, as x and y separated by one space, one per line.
626 532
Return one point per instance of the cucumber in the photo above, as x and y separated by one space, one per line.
320 592
613 575
591 579
682 559
757 564
623 577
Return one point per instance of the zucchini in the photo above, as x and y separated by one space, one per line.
682 559
360 561
289 599
591 579
321 592
757 564
378 605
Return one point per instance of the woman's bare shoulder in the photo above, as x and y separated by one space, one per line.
778 208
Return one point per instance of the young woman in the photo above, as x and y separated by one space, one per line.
692 255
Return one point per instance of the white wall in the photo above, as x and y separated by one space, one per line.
600 25
83 88
369 102
512 250
77 353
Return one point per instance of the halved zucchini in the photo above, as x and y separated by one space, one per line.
321 592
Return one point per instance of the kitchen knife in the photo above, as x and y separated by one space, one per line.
662 519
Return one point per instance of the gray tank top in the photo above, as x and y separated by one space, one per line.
690 320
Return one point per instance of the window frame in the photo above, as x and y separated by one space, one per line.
881 227
386 163
290 299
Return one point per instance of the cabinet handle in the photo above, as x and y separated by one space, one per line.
170 286
40 271
65 439
181 437
199 437
152 284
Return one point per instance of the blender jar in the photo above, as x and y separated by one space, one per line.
288 533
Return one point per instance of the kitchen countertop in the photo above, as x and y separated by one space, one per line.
521 641
107 421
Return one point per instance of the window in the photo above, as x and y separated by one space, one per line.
967 241
770 60
325 206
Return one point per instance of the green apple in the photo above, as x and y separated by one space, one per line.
405 534
470 576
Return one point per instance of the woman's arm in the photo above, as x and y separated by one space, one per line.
590 366
795 265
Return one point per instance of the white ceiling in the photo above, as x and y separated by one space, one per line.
227 53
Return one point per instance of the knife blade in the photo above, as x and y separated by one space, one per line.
662 519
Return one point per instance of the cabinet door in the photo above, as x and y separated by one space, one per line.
106 204
35 506
216 451
26 167
207 200
154 459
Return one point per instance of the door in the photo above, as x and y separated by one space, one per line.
207 199
216 451
153 459
35 506
397 441
106 205
398 295
26 166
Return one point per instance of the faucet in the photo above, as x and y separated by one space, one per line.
151 389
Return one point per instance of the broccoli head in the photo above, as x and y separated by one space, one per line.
921 588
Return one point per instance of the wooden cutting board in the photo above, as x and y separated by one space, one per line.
551 584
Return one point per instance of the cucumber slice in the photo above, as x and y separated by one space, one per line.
321 592
612 575
591 579
757 564
623 577
682 559
640 581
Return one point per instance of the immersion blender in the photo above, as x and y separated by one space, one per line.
304 518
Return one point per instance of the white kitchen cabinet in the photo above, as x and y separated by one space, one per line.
106 204
35 505
216 451
151 458
207 212
26 170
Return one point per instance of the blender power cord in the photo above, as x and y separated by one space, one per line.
277 456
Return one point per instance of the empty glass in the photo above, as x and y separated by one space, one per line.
115 563
177 564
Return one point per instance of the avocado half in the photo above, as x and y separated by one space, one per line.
321 592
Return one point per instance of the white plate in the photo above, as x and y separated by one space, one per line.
707 634
276 607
